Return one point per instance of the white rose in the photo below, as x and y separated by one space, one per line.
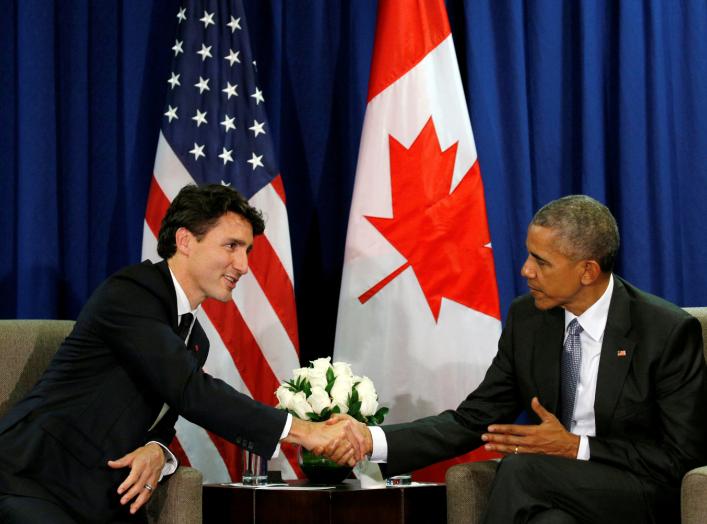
323 363
368 397
298 403
284 396
300 372
317 376
319 399
342 368
340 392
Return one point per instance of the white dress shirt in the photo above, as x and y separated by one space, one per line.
593 322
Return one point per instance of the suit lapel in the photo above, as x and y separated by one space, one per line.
616 354
547 349
171 299
198 343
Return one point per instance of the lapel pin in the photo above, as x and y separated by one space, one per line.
621 353
196 347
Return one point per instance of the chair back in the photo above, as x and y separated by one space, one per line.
700 313
27 347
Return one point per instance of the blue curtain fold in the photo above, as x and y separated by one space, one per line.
599 97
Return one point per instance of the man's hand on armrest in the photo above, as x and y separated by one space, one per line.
145 465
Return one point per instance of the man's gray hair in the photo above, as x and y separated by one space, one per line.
587 228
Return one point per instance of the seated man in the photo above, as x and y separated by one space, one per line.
133 362
614 380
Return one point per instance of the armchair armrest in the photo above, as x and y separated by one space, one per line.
178 499
468 488
693 496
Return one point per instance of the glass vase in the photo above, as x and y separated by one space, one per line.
320 470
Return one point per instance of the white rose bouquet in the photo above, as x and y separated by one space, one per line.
322 389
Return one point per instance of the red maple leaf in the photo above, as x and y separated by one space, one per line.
443 236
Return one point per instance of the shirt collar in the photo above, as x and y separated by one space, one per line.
593 320
183 305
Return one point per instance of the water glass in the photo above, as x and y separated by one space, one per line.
255 469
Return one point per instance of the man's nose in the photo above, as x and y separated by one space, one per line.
526 270
240 261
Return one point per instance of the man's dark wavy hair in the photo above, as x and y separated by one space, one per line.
198 209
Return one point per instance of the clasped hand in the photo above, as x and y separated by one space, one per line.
353 444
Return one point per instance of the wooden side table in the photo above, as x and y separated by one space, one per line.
344 504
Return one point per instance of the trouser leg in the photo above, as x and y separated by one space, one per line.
16 509
527 485
553 516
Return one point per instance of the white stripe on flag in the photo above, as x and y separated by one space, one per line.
277 229
267 330
169 171
202 452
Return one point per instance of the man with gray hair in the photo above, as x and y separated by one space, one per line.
613 379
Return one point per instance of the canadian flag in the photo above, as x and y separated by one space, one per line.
418 309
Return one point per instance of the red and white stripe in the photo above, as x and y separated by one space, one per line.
253 339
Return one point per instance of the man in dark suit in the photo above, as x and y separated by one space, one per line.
110 398
613 379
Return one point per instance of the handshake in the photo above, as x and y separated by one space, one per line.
342 438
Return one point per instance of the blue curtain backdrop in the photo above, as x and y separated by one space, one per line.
599 97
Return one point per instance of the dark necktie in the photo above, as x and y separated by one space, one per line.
184 325
571 361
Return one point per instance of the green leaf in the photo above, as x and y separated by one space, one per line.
353 396
382 412
336 409
300 384
329 386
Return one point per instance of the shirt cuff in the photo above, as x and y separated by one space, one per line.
380 445
285 432
170 461
583 451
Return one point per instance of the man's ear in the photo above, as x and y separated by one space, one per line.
183 238
592 270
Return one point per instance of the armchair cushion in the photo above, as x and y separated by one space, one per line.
178 500
468 488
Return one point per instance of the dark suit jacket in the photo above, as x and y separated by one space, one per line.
105 388
649 407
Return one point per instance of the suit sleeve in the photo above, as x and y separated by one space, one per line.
676 443
133 323
428 440
164 432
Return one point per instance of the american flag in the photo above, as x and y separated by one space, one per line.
215 130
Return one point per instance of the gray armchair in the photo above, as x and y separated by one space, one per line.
469 485
27 346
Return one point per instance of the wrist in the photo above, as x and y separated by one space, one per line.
574 451
299 431
159 451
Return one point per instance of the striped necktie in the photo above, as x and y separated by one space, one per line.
571 361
